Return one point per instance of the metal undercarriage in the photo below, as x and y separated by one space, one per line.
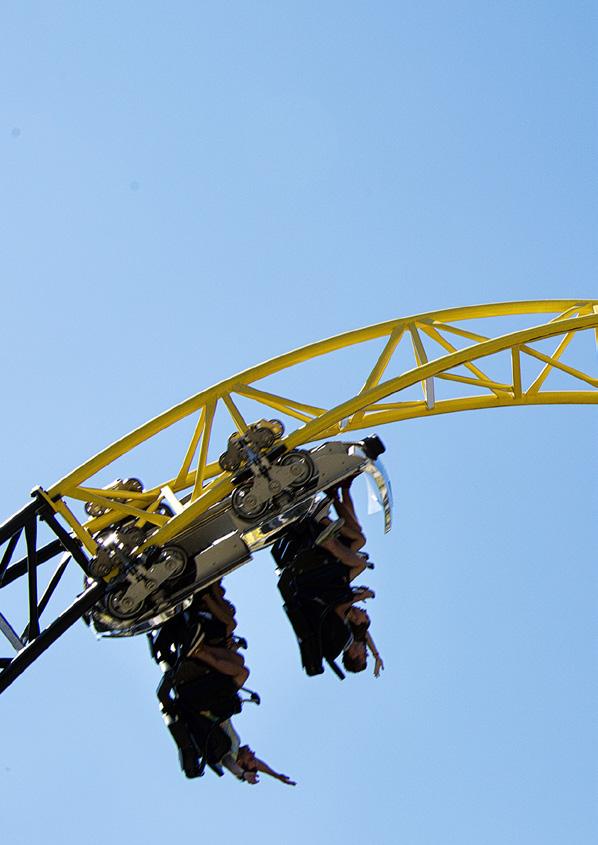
129 592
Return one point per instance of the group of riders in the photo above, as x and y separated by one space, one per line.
204 673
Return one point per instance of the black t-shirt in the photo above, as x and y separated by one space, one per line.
201 688
335 635
329 583
214 630
212 742
297 546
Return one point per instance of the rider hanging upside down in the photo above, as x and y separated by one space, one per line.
319 560
199 692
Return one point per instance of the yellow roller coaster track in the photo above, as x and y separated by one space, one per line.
442 352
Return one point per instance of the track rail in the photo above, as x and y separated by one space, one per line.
435 342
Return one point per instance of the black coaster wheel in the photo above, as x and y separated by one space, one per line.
174 560
301 466
263 438
122 606
230 461
246 504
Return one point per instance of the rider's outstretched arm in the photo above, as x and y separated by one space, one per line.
265 768
378 662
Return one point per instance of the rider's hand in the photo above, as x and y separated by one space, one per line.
250 777
286 779
378 667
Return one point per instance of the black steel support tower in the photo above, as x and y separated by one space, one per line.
34 639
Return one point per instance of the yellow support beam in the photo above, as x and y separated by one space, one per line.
435 335
422 358
383 361
494 386
290 407
558 365
119 510
192 448
235 414
203 452
537 384
516 371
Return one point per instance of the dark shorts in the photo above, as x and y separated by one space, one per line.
213 691
214 630
335 635
329 583
213 743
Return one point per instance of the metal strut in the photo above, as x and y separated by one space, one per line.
34 640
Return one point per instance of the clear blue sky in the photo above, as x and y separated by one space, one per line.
190 188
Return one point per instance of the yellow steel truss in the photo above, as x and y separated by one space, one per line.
437 359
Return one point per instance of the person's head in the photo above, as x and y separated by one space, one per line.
217 590
355 657
246 757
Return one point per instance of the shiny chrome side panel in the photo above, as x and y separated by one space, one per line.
221 541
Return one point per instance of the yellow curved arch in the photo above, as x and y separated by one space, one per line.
424 334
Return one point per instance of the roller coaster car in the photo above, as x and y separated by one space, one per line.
273 487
